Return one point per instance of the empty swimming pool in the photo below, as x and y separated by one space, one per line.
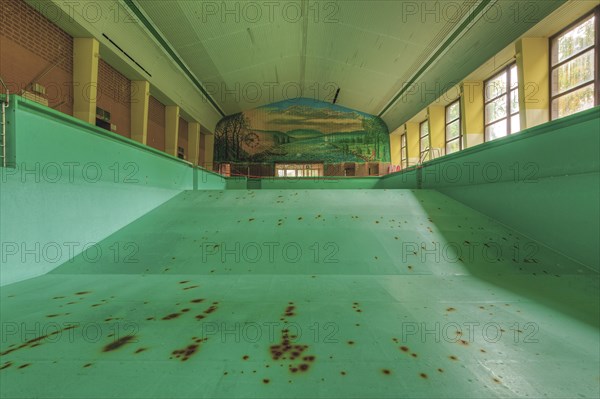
172 281
293 293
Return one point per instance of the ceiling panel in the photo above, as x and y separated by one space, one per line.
480 43
369 49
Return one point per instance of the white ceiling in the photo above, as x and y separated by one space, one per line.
363 47
251 55
367 48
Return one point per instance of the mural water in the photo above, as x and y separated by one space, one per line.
302 130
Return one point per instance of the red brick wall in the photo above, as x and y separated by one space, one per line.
29 45
114 96
183 137
156 124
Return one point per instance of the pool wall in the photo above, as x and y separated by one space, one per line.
543 182
69 185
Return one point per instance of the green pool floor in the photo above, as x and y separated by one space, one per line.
306 294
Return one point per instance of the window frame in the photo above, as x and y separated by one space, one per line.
403 147
421 151
509 115
447 122
596 48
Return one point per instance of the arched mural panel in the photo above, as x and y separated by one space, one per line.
302 130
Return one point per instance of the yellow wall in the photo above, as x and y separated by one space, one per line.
395 145
140 99
171 129
85 78
209 148
194 142
412 141
437 130
471 109
534 93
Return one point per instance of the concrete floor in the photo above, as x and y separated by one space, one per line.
317 293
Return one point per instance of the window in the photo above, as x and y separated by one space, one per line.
298 170
574 69
403 152
453 131
502 104
424 141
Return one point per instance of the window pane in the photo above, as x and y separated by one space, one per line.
424 127
452 111
514 101
404 154
515 123
573 41
403 139
453 146
574 73
424 143
496 86
495 110
496 130
280 173
576 101
514 77
452 130
290 173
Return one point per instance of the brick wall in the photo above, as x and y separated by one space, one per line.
29 45
156 124
114 96
183 137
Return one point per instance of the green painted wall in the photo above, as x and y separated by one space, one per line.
543 182
339 183
71 185
406 179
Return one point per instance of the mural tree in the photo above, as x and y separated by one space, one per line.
377 134
229 137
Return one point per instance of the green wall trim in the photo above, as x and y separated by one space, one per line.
17 101
592 115
526 134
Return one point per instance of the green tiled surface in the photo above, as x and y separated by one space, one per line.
528 316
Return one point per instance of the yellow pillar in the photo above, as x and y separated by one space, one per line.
85 78
194 142
395 145
471 110
171 129
412 141
140 98
209 148
533 70
437 130
202 152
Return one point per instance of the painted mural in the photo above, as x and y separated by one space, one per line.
302 130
